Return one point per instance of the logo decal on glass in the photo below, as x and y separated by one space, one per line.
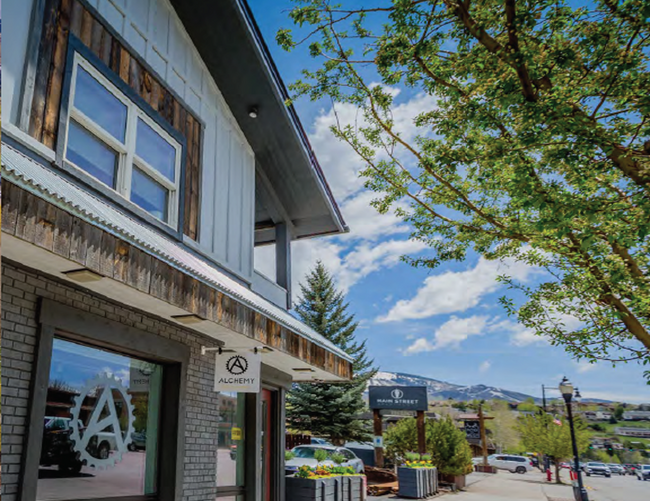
101 442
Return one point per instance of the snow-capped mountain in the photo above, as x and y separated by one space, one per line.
441 390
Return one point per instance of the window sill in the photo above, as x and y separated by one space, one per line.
28 141
104 192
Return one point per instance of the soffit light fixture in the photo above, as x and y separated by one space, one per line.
188 319
253 112
83 275
303 369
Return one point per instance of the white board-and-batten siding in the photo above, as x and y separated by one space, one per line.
154 31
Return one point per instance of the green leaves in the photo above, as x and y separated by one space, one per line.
534 146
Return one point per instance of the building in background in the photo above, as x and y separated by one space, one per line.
146 152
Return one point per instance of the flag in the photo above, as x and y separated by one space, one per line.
557 422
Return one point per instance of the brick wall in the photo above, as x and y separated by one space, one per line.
20 292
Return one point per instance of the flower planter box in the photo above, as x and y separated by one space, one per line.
417 483
342 488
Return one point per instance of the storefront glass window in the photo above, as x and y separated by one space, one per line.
230 442
101 425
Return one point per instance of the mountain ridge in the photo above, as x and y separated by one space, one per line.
442 390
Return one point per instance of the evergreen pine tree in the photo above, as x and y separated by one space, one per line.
331 410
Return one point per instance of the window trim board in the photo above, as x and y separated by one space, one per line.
129 158
76 46
77 325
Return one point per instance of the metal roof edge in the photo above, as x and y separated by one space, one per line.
13 174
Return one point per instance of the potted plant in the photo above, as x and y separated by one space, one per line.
326 482
417 477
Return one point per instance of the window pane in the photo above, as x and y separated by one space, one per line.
149 194
92 155
230 441
98 104
156 151
101 426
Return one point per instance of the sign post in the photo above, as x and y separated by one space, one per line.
407 398
422 442
481 421
379 441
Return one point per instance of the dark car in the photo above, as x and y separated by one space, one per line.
138 441
597 469
56 449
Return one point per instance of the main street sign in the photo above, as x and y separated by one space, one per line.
407 398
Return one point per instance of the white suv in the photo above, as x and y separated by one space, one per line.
514 464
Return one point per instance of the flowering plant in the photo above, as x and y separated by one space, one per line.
324 471
419 464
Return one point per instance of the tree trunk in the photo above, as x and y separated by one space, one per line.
557 471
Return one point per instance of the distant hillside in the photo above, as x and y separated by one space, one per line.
441 390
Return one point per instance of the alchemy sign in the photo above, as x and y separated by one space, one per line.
239 372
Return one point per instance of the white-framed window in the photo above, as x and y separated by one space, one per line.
111 138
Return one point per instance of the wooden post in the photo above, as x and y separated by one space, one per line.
422 444
483 437
379 451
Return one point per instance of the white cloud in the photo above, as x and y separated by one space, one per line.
452 292
583 366
366 223
350 268
365 250
519 334
339 162
451 334
485 366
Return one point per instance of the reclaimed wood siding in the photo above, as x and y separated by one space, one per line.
34 220
63 17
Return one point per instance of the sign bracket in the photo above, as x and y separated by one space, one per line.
222 349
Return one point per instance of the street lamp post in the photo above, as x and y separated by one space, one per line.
566 388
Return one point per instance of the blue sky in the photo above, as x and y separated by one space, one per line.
447 323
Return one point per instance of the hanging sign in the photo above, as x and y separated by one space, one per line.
238 371
236 434
408 398
473 430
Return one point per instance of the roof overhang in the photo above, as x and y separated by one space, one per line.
230 44
52 225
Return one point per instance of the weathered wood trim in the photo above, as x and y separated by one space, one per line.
46 90
31 62
32 219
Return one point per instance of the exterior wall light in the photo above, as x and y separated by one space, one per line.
253 112
188 319
84 275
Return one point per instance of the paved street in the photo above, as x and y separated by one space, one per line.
533 487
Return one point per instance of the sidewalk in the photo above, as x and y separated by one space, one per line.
504 486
